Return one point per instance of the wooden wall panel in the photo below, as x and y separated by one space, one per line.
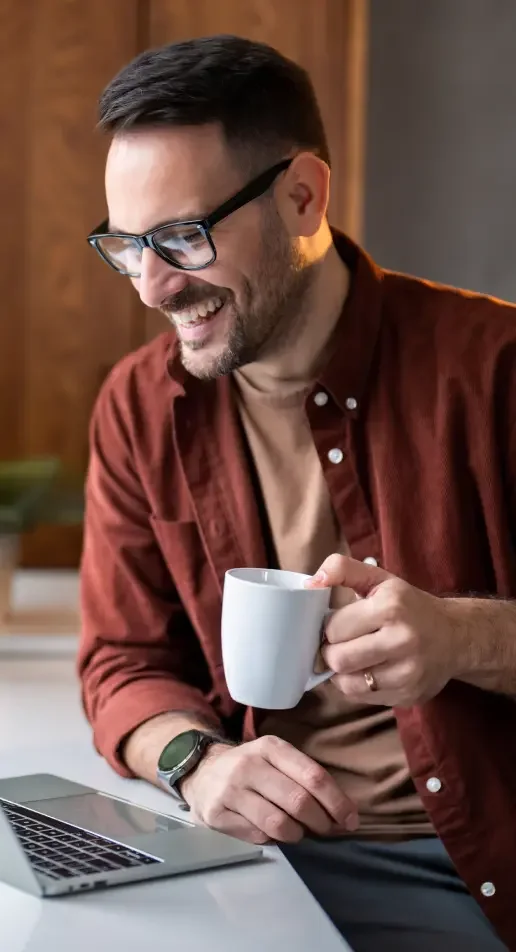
14 22
328 38
65 318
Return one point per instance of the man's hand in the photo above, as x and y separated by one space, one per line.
266 790
412 642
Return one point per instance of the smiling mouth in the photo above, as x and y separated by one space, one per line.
198 314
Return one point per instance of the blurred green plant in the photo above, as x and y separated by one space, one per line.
36 491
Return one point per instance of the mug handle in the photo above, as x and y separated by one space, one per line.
314 678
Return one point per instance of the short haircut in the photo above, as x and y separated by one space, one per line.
264 102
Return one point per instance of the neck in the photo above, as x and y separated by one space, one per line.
297 361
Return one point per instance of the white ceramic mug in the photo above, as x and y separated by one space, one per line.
271 631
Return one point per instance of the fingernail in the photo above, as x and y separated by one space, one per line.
352 822
320 578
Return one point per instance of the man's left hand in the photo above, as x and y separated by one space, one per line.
410 641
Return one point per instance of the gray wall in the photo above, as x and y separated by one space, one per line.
441 168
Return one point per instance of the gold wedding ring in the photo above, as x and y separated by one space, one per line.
370 680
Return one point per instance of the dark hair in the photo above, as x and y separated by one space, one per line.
264 102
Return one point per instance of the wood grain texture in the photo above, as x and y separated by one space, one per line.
14 21
356 145
328 38
65 318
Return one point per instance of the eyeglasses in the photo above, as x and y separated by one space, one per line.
187 245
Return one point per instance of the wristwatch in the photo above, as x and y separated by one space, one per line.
181 756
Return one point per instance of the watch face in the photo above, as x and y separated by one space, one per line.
178 750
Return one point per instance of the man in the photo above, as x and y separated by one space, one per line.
306 409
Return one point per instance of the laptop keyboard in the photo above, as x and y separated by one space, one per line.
60 850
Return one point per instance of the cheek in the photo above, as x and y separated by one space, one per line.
219 275
239 252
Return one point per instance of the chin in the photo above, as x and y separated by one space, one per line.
207 366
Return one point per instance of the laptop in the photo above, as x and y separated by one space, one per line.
59 837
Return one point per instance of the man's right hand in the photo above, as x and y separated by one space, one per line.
266 790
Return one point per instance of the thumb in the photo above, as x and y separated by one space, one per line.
342 570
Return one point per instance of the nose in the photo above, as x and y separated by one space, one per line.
158 279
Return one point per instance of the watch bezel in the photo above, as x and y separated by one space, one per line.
197 738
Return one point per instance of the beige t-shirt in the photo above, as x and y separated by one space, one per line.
358 744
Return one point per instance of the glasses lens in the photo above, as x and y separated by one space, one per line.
123 253
184 245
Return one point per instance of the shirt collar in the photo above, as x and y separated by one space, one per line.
346 372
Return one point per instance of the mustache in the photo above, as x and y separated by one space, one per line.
191 296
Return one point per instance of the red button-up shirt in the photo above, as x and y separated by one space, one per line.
422 406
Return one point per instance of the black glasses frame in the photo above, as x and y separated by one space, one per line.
248 193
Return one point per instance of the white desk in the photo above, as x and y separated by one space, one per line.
237 909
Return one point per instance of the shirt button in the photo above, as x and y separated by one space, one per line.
370 560
488 890
351 403
321 399
335 456
433 784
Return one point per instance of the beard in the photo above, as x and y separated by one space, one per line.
268 315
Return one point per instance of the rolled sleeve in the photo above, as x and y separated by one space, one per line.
138 655
136 702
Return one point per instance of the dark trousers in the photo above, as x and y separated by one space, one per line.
395 897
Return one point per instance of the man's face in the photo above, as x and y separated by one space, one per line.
242 306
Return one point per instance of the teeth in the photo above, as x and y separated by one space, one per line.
192 314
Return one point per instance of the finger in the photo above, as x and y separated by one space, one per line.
353 621
237 825
234 824
342 570
390 678
314 778
270 819
358 655
294 800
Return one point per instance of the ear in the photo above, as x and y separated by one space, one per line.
302 195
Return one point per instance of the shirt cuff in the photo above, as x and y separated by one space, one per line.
136 703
